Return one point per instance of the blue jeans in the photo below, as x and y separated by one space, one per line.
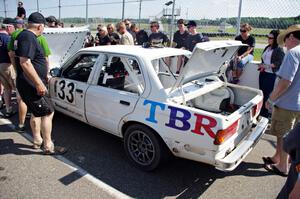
244 61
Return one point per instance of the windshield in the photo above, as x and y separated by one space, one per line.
168 69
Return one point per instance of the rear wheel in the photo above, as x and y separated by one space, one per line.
143 147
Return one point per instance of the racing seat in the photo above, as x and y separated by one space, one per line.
114 76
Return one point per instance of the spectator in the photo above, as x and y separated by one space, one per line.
31 83
271 60
132 30
21 12
89 40
157 38
19 24
7 73
181 35
127 23
113 36
194 37
102 36
291 145
179 41
285 99
126 38
11 48
141 35
52 22
245 53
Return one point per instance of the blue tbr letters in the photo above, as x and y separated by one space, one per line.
153 104
184 119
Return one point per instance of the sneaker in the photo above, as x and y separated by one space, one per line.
9 114
20 129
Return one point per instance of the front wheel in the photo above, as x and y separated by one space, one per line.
143 147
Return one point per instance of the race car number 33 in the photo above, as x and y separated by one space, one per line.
65 91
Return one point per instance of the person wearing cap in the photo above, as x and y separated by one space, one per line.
21 12
22 108
7 73
179 41
31 82
157 38
52 22
285 99
194 37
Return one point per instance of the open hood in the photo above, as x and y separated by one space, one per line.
207 59
64 42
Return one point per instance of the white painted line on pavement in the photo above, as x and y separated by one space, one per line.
114 193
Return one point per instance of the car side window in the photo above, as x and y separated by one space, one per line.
81 67
121 73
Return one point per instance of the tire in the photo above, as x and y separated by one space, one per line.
143 147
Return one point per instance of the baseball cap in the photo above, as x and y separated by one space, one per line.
51 19
9 21
191 23
37 18
19 21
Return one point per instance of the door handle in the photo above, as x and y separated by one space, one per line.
79 90
124 103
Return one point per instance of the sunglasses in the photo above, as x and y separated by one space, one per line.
270 37
152 26
243 30
287 36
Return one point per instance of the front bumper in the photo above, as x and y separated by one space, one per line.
233 159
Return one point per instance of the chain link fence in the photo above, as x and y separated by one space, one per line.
217 19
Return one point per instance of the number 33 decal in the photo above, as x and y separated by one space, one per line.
65 91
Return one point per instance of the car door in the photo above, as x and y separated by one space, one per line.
68 92
114 93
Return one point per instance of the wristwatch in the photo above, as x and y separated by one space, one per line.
270 102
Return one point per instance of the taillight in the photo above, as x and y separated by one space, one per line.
256 108
223 135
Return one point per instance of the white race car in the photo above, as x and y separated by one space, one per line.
134 93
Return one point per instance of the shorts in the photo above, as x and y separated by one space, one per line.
39 106
283 121
7 76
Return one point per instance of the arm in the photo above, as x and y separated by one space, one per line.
32 75
295 193
281 87
11 55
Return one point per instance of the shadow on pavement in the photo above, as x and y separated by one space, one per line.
102 155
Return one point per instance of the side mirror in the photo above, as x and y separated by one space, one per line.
55 72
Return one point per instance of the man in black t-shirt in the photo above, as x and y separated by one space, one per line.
157 38
31 83
21 13
180 36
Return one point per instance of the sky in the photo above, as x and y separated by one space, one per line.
191 9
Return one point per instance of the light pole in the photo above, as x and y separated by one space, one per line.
86 12
238 23
37 5
140 10
123 8
172 19
59 10
5 12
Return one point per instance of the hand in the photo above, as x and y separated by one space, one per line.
41 89
267 105
261 68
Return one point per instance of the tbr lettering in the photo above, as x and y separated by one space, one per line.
179 119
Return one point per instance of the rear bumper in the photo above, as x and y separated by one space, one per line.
232 160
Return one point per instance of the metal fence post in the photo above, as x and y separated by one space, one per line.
238 22
172 23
